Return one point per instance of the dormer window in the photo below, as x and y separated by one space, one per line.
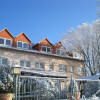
19 44
8 42
22 45
5 42
1 41
25 45
59 52
77 55
46 49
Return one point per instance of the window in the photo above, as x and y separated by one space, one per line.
71 69
25 45
22 45
51 67
40 66
1 41
62 68
59 52
24 63
79 69
46 49
3 61
27 64
8 42
5 42
77 55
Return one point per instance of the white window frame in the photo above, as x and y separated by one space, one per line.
63 68
60 51
1 59
5 42
25 64
71 69
79 70
51 65
46 48
77 55
22 45
39 65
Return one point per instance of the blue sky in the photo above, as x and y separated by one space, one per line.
45 18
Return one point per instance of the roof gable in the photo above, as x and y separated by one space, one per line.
23 37
6 34
46 42
58 45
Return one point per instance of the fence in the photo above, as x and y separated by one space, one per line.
41 88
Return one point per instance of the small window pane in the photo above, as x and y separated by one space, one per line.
42 65
80 70
37 65
77 55
48 49
22 63
8 42
25 45
62 68
20 44
27 64
4 61
62 52
1 41
71 69
44 49
58 52
51 67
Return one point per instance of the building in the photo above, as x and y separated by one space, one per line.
41 59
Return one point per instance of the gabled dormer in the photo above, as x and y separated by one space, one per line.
44 46
60 49
6 38
22 41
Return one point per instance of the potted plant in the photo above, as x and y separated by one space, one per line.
6 84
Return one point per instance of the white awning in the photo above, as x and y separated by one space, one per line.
44 73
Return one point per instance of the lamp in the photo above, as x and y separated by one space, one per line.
16 70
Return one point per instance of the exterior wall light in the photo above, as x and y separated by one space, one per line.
16 71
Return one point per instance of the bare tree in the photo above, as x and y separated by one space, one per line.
98 8
86 40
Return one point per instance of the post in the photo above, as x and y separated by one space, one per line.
18 87
16 79
16 71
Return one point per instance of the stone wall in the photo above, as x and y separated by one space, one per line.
15 56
